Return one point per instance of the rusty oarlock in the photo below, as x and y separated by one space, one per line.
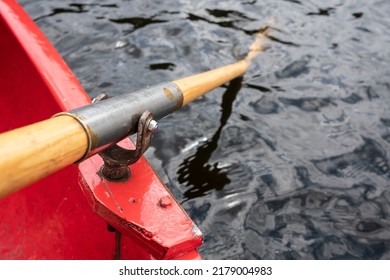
117 159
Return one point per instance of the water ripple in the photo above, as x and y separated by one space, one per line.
291 162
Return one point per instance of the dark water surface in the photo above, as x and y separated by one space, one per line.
290 162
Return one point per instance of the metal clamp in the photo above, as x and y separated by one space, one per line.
117 159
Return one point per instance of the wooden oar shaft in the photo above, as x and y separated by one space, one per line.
35 151
195 86
30 153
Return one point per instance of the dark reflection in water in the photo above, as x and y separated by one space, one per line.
195 171
295 69
370 157
295 166
73 8
162 66
322 12
233 24
136 22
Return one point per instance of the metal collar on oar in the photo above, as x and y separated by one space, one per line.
110 120
117 159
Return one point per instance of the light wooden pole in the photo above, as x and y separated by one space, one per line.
198 85
32 152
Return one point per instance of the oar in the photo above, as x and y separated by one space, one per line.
32 152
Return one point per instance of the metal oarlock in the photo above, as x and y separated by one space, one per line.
108 120
117 159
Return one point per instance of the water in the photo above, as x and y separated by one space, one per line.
290 162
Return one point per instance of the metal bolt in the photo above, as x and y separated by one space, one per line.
115 172
152 126
165 201
100 97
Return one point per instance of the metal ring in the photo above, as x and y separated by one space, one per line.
87 132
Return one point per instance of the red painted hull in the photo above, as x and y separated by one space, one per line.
54 218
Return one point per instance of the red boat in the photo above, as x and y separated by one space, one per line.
75 213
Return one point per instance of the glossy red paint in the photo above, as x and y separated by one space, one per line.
52 219
141 208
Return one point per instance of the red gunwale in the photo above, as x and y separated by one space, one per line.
52 218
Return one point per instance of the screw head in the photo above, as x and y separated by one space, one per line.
165 202
152 126
100 97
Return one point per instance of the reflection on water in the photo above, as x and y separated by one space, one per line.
296 165
370 157
195 171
